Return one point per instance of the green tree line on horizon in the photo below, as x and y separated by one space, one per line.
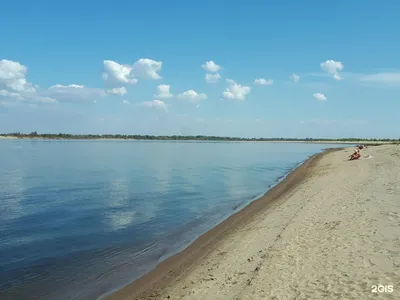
35 134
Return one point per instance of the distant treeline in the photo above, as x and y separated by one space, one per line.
34 134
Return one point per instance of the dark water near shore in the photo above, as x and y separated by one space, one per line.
80 218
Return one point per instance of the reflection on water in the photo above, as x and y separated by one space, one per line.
119 214
80 218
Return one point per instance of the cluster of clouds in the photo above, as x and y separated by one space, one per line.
15 86
116 74
117 77
13 77
212 69
235 91
333 68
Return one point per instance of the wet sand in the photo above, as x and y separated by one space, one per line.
330 230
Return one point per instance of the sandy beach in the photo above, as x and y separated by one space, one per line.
330 230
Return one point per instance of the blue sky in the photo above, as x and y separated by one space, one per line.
104 67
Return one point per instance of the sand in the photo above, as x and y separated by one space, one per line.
331 230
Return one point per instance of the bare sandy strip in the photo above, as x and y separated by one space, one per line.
332 234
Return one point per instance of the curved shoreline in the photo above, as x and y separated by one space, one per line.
176 266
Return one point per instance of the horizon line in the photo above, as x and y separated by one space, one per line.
147 136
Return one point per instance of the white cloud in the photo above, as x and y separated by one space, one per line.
125 102
163 91
211 66
117 91
192 96
116 73
14 86
156 104
235 91
294 77
333 67
7 94
212 78
382 78
12 76
337 77
60 86
262 81
73 93
147 69
30 98
320 97
47 100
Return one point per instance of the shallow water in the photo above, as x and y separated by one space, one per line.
81 218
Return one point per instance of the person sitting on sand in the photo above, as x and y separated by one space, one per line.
356 154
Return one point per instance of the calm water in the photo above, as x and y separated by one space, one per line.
80 218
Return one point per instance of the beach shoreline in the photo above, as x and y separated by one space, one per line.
329 230
152 284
